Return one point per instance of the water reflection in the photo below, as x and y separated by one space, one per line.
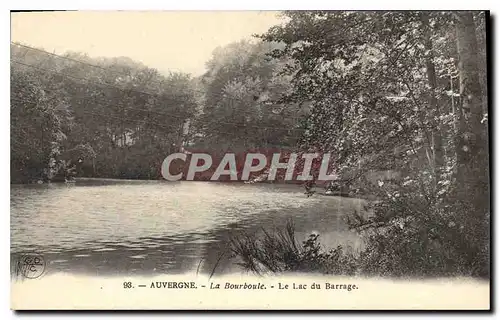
158 227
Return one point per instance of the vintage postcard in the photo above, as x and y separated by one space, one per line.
250 160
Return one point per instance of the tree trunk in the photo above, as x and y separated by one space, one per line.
474 139
473 162
437 140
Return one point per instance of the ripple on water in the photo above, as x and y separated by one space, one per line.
139 256
104 249
97 222
203 241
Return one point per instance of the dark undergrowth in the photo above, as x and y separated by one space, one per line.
394 251
279 251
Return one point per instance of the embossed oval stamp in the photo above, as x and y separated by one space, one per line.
31 265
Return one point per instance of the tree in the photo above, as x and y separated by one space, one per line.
242 107
472 146
38 119
111 117
381 91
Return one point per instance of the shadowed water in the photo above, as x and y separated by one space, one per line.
146 228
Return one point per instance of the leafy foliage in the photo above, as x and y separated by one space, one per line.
110 117
400 91
242 107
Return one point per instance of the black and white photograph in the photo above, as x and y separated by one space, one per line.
250 160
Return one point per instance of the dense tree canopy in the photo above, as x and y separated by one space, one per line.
401 91
107 117
242 108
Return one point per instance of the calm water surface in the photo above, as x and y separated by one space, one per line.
154 227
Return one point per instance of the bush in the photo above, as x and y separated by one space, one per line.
408 236
279 251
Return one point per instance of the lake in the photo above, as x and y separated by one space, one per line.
105 228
